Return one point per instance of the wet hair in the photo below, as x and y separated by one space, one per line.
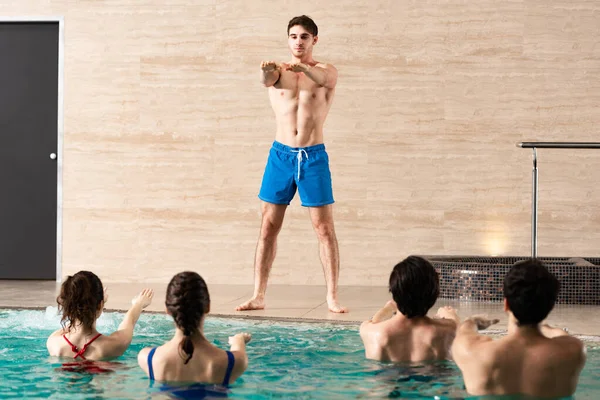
305 22
531 291
81 297
187 302
415 286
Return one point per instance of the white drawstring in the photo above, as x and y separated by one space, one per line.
300 158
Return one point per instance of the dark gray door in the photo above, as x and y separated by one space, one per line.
28 136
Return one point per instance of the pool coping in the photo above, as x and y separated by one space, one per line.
494 333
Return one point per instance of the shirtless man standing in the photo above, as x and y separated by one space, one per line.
532 359
301 94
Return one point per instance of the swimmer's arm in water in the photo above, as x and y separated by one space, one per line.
374 339
58 332
468 340
371 332
467 333
143 359
551 332
566 341
325 76
121 339
477 322
385 313
448 313
270 72
238 348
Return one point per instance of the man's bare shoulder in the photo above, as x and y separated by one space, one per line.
439 329
476 347
568 340
483 352
568 345
325 65
424 327
379 333
388 328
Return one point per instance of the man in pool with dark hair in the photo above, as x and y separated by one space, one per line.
532 359
401 331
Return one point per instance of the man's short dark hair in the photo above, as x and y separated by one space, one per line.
415 286
531 291
305 22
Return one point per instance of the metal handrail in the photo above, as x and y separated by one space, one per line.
534 200
559 145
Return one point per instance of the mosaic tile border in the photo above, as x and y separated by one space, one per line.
476 278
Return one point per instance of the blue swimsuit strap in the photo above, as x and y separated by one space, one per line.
150 370
230 364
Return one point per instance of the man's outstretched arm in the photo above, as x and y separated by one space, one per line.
325 76
467 336
269 73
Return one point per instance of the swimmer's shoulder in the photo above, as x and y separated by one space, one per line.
324 64
570 348
54 342
157 359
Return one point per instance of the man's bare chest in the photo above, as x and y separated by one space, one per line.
297 84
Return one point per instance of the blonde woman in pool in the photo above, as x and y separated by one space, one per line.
81 301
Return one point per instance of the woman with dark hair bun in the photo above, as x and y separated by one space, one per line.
81 301
190 356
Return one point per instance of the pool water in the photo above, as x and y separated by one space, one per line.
287 361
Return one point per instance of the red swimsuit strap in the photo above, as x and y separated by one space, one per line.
79 353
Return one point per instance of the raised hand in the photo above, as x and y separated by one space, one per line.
297 67
144 298
483 321
269 66
447 312
245 336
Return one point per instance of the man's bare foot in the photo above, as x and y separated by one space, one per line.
255 303
335 307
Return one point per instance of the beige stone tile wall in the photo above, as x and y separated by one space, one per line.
167 131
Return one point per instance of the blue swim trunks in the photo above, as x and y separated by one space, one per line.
304 168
